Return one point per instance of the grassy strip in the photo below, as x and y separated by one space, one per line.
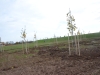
48 42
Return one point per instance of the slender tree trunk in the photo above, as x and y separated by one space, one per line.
56 40
69 45
82 36
0 45
26 47
76 43
72 39
23 47
72 42
36 43
2 48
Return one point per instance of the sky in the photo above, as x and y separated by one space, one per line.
46 18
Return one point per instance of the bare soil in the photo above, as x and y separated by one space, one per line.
53 60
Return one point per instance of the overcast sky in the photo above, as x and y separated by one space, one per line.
46 17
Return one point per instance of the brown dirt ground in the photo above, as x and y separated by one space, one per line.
53 61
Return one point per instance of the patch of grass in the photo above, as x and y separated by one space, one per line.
48 42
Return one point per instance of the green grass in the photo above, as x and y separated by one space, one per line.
51 41
93 35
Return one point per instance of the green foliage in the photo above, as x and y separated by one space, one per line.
23 33
70 23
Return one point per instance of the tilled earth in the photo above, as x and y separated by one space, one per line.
55 62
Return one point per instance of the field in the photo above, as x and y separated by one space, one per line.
50 58
50 41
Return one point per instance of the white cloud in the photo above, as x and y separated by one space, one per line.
48 17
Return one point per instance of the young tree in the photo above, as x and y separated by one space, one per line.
23 35
71 24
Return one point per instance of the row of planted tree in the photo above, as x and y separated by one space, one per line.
71 28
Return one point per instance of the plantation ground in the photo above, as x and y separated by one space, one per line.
53 60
